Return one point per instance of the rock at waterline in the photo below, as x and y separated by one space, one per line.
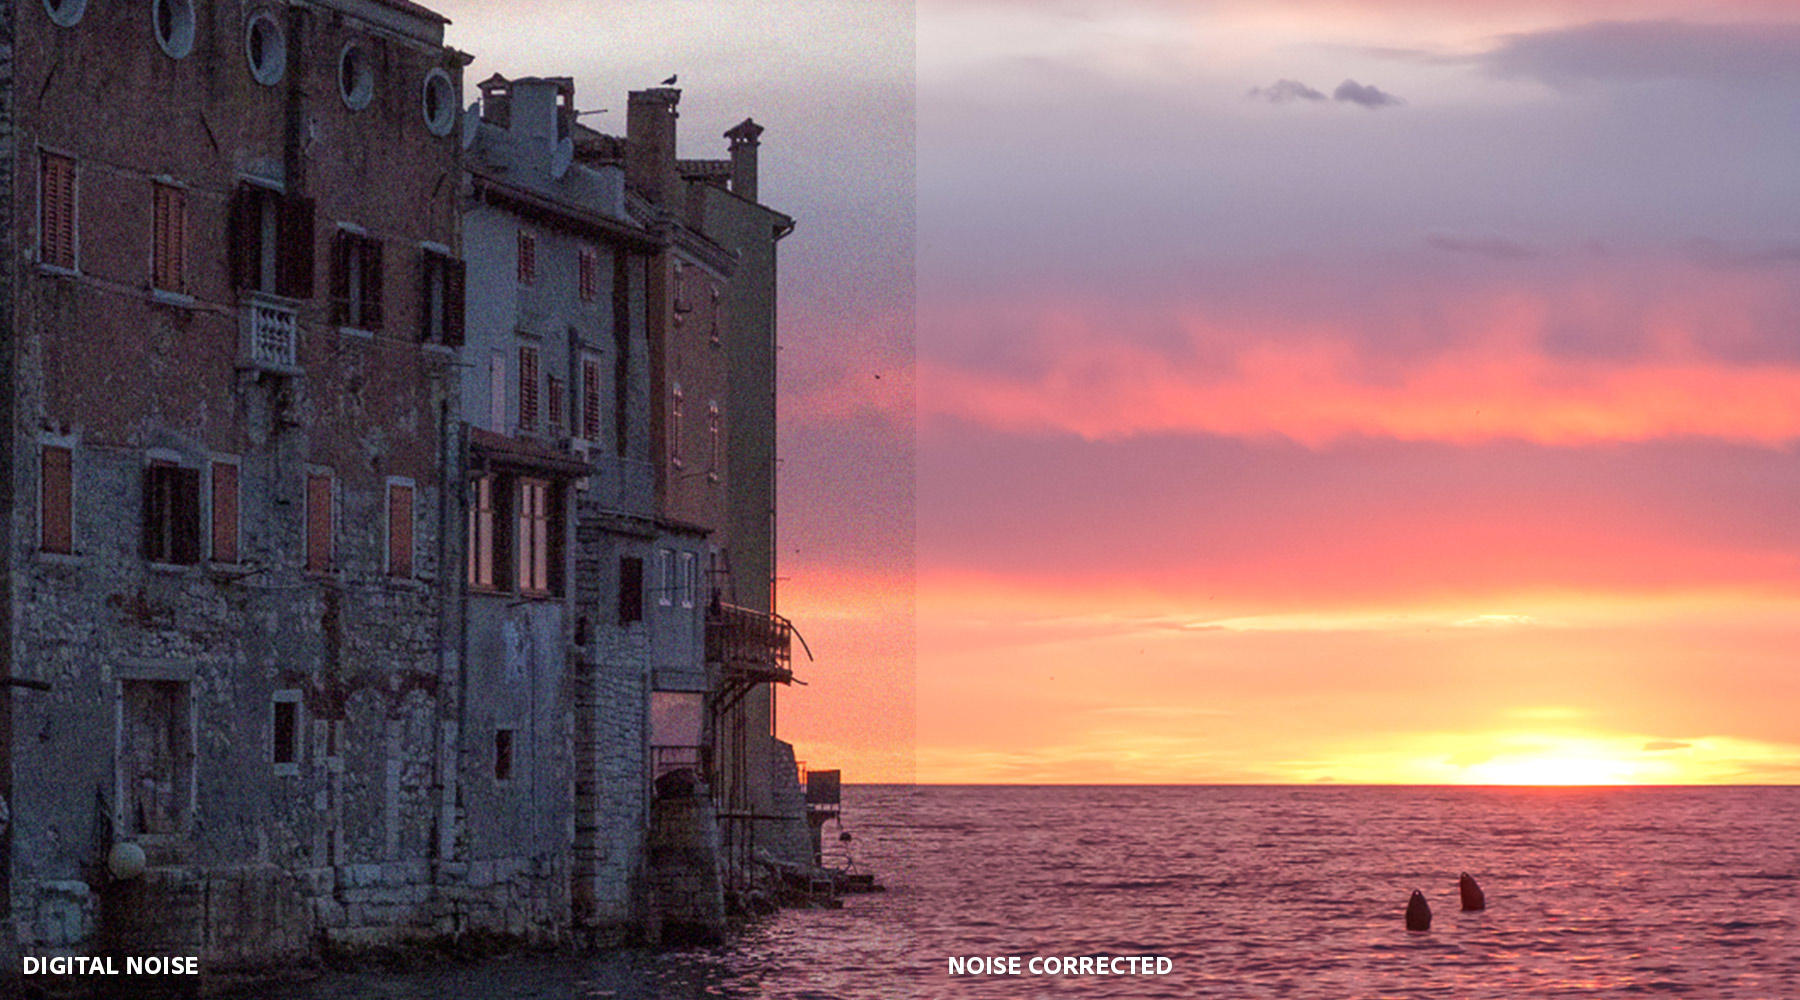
1418 912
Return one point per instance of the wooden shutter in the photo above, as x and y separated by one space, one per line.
318 522
528 388
243 238
590 399
56 212
400 530
184 516
167 252
154 507
455 284
224 512
430 282
294 225
340 278
56 499
371 283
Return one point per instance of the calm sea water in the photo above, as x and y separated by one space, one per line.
1252 892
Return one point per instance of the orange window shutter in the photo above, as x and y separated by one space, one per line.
224 512
318 522
57 500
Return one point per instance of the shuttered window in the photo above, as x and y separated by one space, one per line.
677 404
590 274
553 404
271 242
171 514
56 500
168 252
400 530
527 258
224 512
533 539
56 210
481 534
590 399
318 522
356 284
528 388
631 590
441 289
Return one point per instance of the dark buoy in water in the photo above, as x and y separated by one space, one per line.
1472 897
1418 912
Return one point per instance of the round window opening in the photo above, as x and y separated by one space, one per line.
356 78
266 49
175 26
440 102
65 12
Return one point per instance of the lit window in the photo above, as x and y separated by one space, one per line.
481 534
56 210
168 245
534 536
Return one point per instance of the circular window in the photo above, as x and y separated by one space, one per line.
65 12
356 77
266 49
174 26
440 102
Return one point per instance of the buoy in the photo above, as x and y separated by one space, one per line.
1418 912
1472 897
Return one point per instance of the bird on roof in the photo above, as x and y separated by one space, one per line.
670 82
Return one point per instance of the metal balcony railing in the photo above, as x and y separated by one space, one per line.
271 334
756 644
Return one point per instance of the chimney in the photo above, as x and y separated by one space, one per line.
650 142
496 101
744 140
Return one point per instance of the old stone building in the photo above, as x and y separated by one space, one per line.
388 524
227 399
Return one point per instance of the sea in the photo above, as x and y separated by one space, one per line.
1289 892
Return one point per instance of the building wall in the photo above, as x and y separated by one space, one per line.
187 664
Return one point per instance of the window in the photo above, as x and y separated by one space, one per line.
631 590
56 210
680 282
65 12
168 253
497 391
590 399
590 274
171 514
676 405
318 522
400 530
528 388
503 754
527 258
553 405
174 26
155 757
265 49
665 577
713 422
285 736
56 500
438 102
356 280
271 242
224 512
442 282
688 582
356 77
481 533
534 536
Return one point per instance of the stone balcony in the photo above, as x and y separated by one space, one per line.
271 333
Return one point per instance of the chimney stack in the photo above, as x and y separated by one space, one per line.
496 101
744 138
650 140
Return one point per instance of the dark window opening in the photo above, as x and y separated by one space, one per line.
287 732
442 282
631 589
356 281
171 514
503 754
271 242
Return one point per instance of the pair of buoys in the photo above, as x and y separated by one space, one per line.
1418 911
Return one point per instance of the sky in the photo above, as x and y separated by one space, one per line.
1356 391
832 83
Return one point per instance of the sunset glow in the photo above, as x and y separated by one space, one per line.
1357 392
